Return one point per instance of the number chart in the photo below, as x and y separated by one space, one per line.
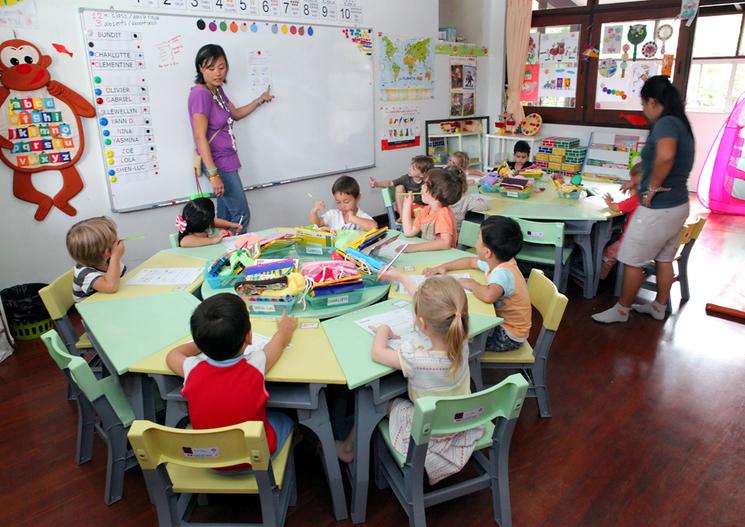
141 69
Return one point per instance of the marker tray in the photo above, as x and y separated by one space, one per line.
261 305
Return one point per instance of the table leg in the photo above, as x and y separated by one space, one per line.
367 416
584 242
318 421
601 236
139 392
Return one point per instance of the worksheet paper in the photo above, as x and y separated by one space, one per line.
401 322
165 276
419 278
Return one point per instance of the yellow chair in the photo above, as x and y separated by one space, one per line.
533 362
58 300
176 465
686 239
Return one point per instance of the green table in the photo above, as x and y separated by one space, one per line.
375 385
127 330
587 222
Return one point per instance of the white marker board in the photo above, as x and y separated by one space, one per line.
142 67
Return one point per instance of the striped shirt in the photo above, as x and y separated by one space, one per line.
83 279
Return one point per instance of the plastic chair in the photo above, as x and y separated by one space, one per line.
447 415
58 300
469 233
533 361
173 240
176 464
543 244
102 397
686 240
389 200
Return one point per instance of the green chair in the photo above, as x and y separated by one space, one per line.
58 300
435 416
103 398
533 361
686 239
173 240
469 233
543 244
177 467
389 200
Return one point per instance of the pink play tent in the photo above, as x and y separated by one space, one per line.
721 185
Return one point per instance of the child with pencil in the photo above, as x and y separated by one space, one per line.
347 215
436 366
499 241
195 222
435 223
409 182
97 251
224 373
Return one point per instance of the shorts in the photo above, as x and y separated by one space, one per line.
652 235
499 340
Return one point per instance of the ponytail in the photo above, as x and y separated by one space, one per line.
662 90
442 303
198 216
456 336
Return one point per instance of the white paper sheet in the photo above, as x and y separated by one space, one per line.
165 276
401 322
419 278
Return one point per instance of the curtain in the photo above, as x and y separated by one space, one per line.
517 35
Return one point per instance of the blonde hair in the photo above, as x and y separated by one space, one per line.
463 160
87 240
442 303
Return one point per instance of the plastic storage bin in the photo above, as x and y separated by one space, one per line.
259 305
515 193
342 299
221 282
27 317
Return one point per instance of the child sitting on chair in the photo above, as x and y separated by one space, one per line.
97 251
469 201
195 222
435 223
627 207
224 373
463 161
499 241
347 215
521 153
437 368
409 182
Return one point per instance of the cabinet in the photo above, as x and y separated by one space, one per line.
446 136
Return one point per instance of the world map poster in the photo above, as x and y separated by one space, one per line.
406 68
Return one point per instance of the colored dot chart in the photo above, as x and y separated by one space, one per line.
331 11
610 91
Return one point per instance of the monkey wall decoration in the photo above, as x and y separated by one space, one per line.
40 126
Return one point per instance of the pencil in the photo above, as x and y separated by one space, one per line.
412 193
134 237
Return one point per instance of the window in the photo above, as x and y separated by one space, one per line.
717 75
619 43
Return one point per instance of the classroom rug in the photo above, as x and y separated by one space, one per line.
730 302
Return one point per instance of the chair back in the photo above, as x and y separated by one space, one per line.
545 297
449 415
58 351
173 240
155 444
389 196
95 390
469 233
542 233
57 296
691 231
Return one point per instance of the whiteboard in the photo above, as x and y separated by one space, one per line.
141 67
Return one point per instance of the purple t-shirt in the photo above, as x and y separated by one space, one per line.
223 148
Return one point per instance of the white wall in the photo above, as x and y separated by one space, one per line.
35 251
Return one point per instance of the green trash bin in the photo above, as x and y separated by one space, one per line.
27 317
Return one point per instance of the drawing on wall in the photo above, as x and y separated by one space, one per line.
406 68
557 81
612 36
40 126
558 47
401 128
531 78
607 68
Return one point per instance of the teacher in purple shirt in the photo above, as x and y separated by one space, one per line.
212 116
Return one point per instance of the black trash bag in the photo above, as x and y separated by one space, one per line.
22 303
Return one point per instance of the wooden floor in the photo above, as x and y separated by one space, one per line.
648 429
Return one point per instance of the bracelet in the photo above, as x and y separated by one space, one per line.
212 171
213 177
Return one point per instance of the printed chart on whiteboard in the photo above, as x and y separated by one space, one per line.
319 11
